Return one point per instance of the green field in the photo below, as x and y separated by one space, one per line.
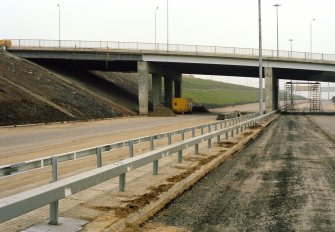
216 94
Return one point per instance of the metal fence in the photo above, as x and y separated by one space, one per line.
51 193
171 48
30 165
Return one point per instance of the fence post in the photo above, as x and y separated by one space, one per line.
169 138
131 148
155 167
226 135
151 143
53 213
183 135
99 159
193 132
196 149
180 156
209 140
202 130
122 182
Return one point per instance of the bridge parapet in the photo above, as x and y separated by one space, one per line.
167 49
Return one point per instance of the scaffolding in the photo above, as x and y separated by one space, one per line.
314 96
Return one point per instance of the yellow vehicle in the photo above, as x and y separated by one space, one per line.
182 105
5 43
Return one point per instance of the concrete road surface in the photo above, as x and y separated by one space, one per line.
286 183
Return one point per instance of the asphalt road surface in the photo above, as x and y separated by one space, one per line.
286 183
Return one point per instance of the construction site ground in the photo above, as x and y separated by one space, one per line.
35 141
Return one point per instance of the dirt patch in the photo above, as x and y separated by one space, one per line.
162 112
247 133
226 144
138 203
255 127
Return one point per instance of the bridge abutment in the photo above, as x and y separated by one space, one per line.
271 90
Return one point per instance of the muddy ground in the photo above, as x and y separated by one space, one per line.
283 184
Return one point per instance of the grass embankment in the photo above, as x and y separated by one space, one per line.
217 94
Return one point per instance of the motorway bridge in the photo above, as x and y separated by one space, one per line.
171 61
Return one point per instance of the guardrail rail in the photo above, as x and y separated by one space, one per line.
21 203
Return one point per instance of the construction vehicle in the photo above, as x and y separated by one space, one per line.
182 105
5 43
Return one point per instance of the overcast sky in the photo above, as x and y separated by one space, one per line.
211 22
230 23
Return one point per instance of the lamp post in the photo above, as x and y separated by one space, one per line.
311 36
291 42
156 27
260 58
58 25
167 26
277 6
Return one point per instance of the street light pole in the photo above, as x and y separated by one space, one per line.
277 6
311 36
156 27
291 41
58 25
167 26
260 59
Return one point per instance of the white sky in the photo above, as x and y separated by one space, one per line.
230 23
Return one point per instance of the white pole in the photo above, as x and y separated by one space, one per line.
156 27
58 25
260 59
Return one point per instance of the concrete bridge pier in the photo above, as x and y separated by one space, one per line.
143 87
271 90
156 90
178 86
172 86
168 91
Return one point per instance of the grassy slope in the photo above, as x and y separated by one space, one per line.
213 93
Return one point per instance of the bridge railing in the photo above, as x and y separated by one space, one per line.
164 48
24 202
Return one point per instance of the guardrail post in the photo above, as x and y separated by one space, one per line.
151 143
202 130
209 140
221 126
218 139
226 135
193 132
155 167
196 149
131 148
237 130
183 135
180 156
232 133
225 124
53 209
169 138
99 159
122 182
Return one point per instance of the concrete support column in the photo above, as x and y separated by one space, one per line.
178 87
168 91
156 90
271 90
143 87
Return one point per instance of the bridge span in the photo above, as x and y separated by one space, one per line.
171 61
